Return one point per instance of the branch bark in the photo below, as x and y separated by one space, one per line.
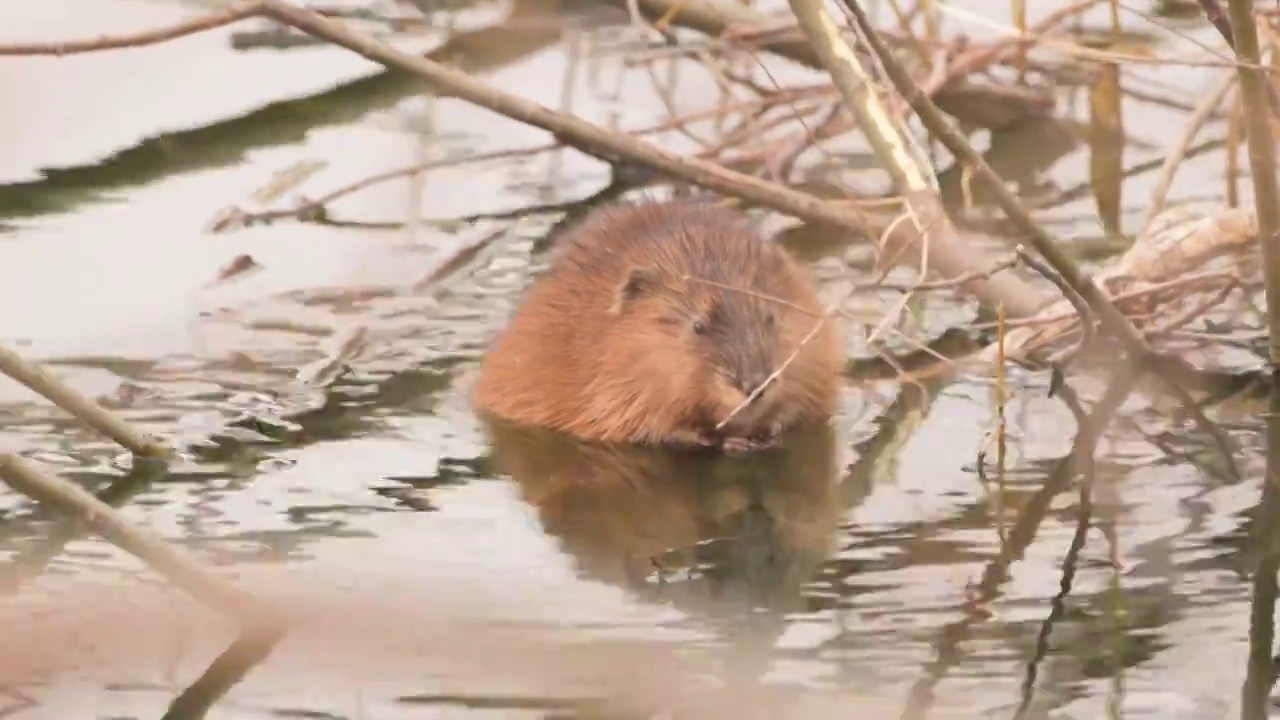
1258 97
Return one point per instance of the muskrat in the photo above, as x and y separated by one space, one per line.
653 322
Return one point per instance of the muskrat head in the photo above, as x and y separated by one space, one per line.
716 344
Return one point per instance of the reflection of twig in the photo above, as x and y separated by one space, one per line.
459 257
1057 606
229 668
82 407
491 701
22 701
1023 533
1261 671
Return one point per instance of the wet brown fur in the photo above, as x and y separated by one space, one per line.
603 345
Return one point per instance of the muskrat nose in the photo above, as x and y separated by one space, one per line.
750 382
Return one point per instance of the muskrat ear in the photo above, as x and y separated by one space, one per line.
639 281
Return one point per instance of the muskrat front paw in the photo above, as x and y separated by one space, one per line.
736 445
694 438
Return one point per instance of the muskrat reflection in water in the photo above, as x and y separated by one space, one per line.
756 525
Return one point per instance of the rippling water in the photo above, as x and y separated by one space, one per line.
453 576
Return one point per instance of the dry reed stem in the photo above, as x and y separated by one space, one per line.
899 155
1206 107
904 160
1256 94
1259 99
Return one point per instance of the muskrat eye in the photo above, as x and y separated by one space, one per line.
699 327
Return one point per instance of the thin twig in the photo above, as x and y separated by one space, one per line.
1077 302
1178 152
589 138
813 332
234 12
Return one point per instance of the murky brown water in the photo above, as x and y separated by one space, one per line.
884 586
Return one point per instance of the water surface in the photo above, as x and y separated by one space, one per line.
885 583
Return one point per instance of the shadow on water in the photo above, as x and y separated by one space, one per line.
530 27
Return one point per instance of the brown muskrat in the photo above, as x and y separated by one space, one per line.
654 322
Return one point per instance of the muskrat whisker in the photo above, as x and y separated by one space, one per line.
751 293
773 376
